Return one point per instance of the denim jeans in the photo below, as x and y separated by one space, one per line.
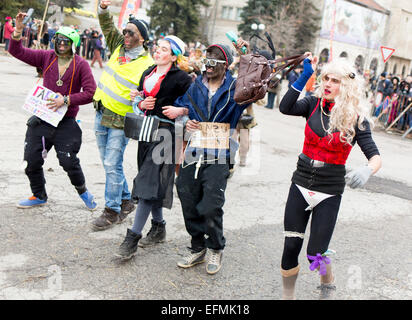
112 144
271 100
378 110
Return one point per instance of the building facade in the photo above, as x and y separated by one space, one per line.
222 16
398 36
357 29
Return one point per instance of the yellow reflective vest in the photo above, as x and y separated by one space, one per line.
118 80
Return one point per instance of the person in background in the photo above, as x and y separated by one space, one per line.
52 32
97 48
385 87
8 30
293 75
310 85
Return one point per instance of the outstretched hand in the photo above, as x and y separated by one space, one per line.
313 60
240 44
19 21
105 3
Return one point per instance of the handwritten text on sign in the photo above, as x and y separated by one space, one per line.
36 104
212 135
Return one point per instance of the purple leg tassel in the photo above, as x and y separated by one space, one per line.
319 261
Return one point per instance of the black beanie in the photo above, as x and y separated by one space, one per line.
226 52
142 26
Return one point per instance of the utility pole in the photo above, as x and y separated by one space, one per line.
216 5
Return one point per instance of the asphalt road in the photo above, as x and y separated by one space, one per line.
51 252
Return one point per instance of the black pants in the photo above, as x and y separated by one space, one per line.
202 201
324 217
66 139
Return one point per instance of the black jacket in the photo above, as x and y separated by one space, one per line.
174 85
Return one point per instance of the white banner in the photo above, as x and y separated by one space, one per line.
354 24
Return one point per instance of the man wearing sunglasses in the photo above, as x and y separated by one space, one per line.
71 78
112 101
204 172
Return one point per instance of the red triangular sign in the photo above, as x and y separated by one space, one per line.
386 53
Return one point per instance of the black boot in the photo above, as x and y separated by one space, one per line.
128 247
156 234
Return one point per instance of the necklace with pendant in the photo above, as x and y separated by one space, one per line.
59 82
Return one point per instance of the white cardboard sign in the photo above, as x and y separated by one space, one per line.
36 104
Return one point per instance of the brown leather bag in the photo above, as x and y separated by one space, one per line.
255 73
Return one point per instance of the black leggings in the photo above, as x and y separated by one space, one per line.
324 217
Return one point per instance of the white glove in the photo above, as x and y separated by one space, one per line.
358 177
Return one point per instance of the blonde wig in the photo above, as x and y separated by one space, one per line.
350 108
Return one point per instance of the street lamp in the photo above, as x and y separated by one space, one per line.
256 28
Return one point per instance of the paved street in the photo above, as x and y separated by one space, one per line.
51 252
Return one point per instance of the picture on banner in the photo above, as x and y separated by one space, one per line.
353 24
129 7
36 104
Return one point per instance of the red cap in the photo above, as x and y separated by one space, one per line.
8 18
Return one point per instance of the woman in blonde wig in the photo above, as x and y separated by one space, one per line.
336 119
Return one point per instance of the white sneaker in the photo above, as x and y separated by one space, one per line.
214 262
193 258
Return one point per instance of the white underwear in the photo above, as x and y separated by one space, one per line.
313 198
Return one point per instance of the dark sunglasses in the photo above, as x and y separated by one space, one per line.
65 41
127 31
212 62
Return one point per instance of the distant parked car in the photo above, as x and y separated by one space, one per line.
67 10
84 13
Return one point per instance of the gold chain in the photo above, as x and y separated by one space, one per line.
62 72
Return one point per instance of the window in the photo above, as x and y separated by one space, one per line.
227 12
238 13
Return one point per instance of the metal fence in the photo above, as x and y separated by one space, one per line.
395 113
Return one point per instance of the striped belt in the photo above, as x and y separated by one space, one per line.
315 163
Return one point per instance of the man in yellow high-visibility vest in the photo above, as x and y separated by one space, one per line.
129 58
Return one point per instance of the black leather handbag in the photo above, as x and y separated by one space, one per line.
140 127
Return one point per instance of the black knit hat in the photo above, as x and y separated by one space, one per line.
226 52
142 26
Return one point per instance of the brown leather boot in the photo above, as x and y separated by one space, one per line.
126 207
289 280
108 218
